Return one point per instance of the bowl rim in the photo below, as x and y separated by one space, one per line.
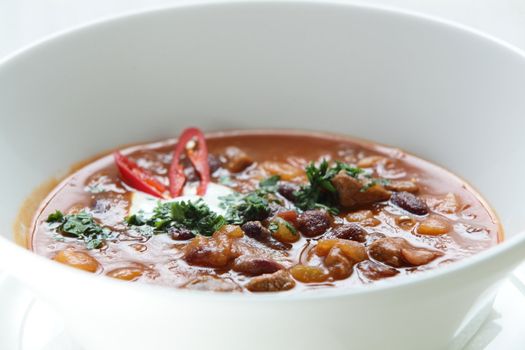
374 288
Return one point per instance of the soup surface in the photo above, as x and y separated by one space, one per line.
261 212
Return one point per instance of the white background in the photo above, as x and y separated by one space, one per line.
23 22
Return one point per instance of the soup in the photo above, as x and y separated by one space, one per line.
261 211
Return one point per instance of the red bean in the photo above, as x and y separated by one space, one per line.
255 266
350 231
256 230
314 222
410 203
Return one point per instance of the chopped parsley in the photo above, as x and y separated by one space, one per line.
241 208
81 226
194 216
320 193
273 226
244 208
270 184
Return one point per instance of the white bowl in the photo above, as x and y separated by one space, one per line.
445 92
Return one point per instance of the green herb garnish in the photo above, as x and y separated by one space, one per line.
194 216
320 193
273 226
270 184
81 226
244 208
251 206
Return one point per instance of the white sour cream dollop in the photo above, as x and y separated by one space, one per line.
141 201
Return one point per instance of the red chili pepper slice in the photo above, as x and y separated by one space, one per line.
198 157
138 178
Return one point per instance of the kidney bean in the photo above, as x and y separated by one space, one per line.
350 231
255 266
256 230
410 203
314 222
180 234
287 190
214 163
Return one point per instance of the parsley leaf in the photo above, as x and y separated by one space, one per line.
57 216
194 216
251 206
270 184
81 226
244 208
320 193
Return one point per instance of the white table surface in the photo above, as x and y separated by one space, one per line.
23 22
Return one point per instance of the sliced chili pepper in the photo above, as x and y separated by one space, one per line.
138 178
198 157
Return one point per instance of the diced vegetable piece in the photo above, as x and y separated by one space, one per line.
127 273
283 231
448 205
352 250
78 259
371 161
405 222
338 264
324 245
402 186
286 171
433 226
372 222
289 215
359 215
232 231
308 274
